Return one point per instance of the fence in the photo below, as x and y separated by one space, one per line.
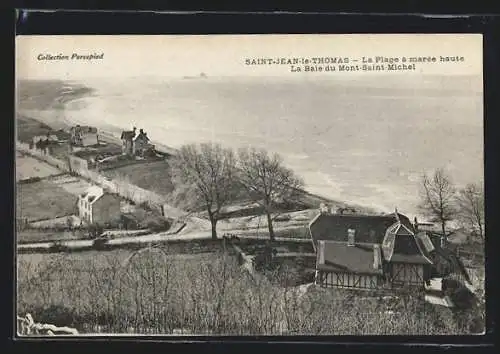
123 188
43 155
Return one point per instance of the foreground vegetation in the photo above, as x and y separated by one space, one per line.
149 291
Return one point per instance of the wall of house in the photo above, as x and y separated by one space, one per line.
347 280
84 210
106 209
127 146
408 273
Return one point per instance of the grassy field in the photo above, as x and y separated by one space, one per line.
29 236
27 128
153 176
29 167
43 200
151 292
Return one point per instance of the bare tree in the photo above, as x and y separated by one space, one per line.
267 181
207 173
438 198
470 202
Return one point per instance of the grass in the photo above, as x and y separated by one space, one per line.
153 292
29 167
30 236
154 176
27 128
43 200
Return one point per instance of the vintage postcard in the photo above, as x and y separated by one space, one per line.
250 185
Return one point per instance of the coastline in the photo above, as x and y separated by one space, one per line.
56 119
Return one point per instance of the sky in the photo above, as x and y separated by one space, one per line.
224 55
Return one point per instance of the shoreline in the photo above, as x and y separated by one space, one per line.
111 134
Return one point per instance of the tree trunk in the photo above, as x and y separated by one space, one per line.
213 222
270 225
443 230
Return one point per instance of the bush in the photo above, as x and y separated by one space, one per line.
153 293
95 230
57 246
100 244
29 180
283 217
158 225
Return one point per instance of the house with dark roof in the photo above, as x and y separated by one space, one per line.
83 136
97 206
367 251
136 144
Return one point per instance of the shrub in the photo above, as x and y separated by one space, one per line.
57 246
29 180
158 225
95 230
283 217
100 244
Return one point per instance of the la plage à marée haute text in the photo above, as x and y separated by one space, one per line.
369 64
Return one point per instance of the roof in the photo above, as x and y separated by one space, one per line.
92 194
127 135
369 228
84 129
400 245
141 136
339 257
425 242
439 252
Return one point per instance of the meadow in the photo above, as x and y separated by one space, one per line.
154 176
152 292
43 200
29 167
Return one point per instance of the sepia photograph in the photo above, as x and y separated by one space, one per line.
242 185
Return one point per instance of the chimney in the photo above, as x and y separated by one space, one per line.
443 241
321 252
351 237
376 257
141 131
415 223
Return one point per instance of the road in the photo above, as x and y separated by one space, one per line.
156 237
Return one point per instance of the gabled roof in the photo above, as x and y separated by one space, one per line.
369 228
400 245
92 194
141 136
339 257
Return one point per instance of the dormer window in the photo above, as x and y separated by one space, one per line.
350 237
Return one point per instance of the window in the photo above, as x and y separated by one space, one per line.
350 237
